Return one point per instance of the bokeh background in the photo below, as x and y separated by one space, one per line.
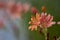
53 8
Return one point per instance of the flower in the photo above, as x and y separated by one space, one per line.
16 9
43 20
46 20
34 10
43 9
58 23
35 21
26 7
2 5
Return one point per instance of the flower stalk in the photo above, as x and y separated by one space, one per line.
45 33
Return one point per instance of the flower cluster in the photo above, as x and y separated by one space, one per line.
16 9
42 20
12 9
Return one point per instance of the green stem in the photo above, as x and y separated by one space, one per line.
45 33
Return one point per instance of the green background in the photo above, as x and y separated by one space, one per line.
53 8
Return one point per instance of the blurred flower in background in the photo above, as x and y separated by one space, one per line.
16 9
10 18
58 23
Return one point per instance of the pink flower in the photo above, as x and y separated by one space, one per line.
34 10
58 23
2 5
46 20
40 20
16 9
26 7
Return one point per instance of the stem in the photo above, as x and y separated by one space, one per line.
45 36
45 33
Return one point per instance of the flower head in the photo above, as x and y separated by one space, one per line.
34 10
16 9
43 9
26 7
46 20
58 23
43 20
35 21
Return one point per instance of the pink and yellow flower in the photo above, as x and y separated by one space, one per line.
43 20
35 21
